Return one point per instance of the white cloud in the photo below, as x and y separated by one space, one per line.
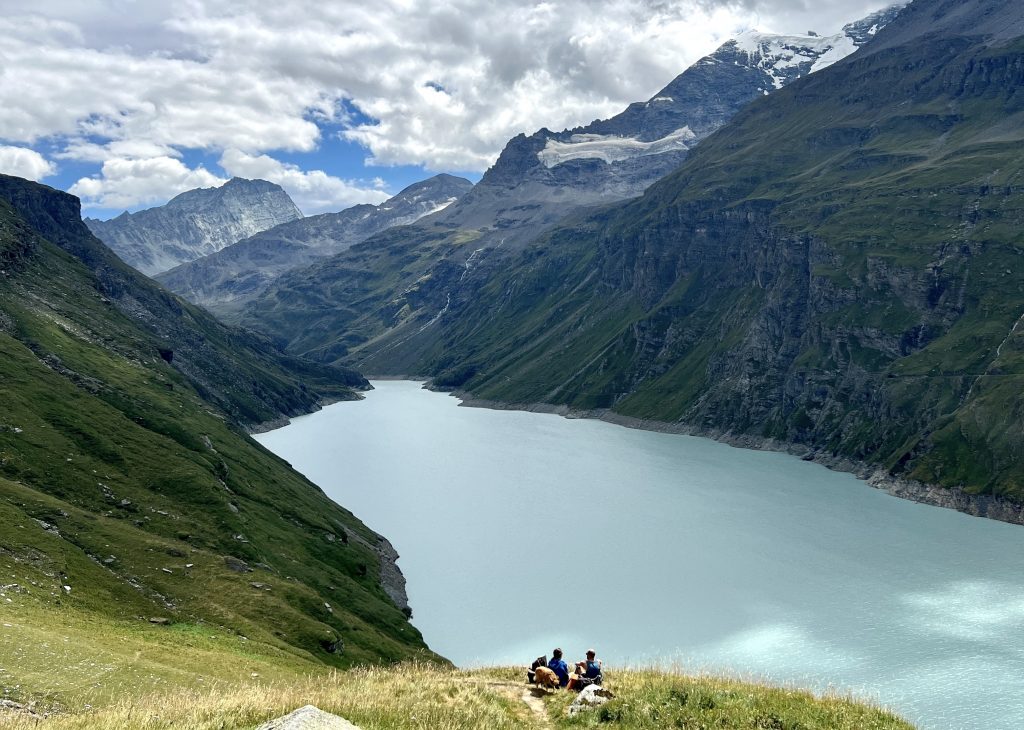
314 191
23 162
126 183
445 84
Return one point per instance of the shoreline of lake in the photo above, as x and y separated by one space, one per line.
983 506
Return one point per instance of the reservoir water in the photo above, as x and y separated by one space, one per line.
522 531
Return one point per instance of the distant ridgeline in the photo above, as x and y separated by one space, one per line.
128 487
838 268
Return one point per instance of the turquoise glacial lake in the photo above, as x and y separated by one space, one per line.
522 531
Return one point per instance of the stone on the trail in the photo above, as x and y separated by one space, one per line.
590 696
308 718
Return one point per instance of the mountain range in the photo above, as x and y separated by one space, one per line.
374 304
195 223
835 271
223 281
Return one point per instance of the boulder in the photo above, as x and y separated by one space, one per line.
591 696
308 718
238 566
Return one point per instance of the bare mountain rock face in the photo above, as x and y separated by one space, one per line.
196 223
223 281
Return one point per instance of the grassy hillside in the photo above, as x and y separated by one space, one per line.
129 490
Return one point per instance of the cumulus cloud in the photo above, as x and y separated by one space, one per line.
314 191
438 84
23 162
126 183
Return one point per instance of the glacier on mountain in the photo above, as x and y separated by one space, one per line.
611 148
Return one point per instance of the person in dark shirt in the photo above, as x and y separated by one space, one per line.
587 672
559 667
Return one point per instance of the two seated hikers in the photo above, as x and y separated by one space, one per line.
585 673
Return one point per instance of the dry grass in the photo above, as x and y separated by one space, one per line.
654 698
404 696
415 695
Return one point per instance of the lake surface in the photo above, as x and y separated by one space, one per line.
522 531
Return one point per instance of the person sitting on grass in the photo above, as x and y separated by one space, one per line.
559 667
587 672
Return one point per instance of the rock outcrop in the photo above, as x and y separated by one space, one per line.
308 718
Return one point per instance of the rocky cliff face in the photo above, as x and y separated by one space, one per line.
225 280
195 223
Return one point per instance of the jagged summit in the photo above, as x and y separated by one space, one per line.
195 223
226 279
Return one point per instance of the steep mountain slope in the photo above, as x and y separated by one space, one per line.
225 280
195 223
374 303
839 268
128 488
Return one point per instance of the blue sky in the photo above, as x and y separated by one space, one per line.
127 103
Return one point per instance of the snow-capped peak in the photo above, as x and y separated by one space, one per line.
785 57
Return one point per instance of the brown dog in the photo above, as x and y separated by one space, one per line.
544 677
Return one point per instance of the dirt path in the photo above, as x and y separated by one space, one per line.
531 697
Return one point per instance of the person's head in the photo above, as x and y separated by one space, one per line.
591 653
557 653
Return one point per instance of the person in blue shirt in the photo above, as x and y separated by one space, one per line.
559 667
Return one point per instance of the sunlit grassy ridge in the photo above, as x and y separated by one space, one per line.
229 694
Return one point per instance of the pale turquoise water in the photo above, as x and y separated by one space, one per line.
522 531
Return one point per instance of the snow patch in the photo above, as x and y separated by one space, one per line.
440 206
611 148
779 55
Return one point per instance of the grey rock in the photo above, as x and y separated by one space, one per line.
308 718
160 621
591 696
236 565
195 223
